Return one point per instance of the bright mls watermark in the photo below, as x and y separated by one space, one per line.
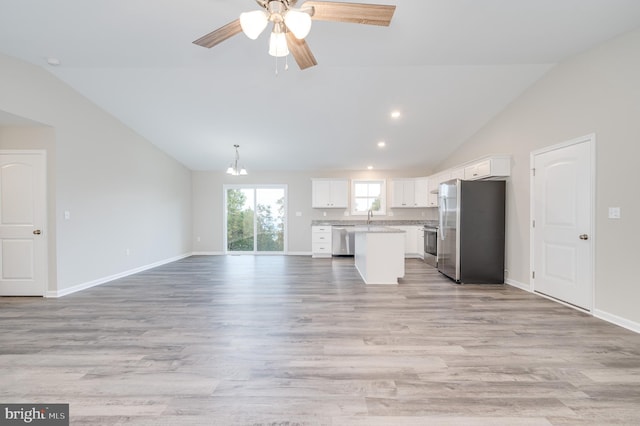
34 414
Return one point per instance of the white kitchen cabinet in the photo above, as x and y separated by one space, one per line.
321 241
432 189
403 193
410 240
409 193
457 173
329 193
421 196
434 184
494 166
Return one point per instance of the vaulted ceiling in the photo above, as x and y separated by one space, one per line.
448 66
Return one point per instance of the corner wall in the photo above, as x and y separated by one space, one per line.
597 92
121 191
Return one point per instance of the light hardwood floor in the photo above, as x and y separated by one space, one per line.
275 340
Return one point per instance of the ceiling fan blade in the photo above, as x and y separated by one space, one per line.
219 35
357 13
300 51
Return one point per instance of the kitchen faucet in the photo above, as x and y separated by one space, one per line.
369 216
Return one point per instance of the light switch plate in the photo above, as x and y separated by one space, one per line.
614 212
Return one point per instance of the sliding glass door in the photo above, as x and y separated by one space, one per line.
255 218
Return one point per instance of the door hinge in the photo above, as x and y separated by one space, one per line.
533 171
533 275
533 223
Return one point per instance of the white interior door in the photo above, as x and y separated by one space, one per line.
562 229
23 255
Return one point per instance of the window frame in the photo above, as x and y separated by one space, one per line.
383 196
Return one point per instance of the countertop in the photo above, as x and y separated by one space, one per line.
375 229
374 222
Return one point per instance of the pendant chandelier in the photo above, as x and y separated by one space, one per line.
234 169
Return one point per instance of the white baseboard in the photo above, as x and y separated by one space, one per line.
99 281
518 284
207 253
221 253
299 253
605 316
614 319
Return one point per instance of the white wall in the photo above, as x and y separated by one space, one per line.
208 206
121 191
595 92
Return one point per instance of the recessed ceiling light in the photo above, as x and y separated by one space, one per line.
382 144
53 61
395 114
369 167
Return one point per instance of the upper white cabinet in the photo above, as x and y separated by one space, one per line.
330 193
434 184
421 197
496 166
490 167
457 173
409 192
403 193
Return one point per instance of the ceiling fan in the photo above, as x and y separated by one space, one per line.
291 25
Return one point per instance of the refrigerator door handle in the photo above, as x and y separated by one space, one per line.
443 218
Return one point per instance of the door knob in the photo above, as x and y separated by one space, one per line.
584 237
37 232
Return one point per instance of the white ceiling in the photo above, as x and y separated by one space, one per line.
448 65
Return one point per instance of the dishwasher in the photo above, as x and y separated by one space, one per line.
342 240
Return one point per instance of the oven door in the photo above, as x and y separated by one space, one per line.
431 246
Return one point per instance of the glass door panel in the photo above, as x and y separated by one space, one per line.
240 219
270 219
255 219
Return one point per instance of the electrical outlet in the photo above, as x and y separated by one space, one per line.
127 252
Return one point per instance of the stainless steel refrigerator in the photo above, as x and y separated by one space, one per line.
472 229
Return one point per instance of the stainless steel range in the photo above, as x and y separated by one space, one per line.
431 245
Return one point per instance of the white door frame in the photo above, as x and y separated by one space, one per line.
591 140
45 217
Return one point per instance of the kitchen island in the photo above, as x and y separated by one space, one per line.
379 254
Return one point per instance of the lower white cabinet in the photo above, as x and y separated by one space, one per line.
411 248
321 241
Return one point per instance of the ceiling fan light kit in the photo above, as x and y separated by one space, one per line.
253 23
299 23
278 44
291 26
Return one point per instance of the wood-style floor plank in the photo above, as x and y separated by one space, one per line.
277 340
